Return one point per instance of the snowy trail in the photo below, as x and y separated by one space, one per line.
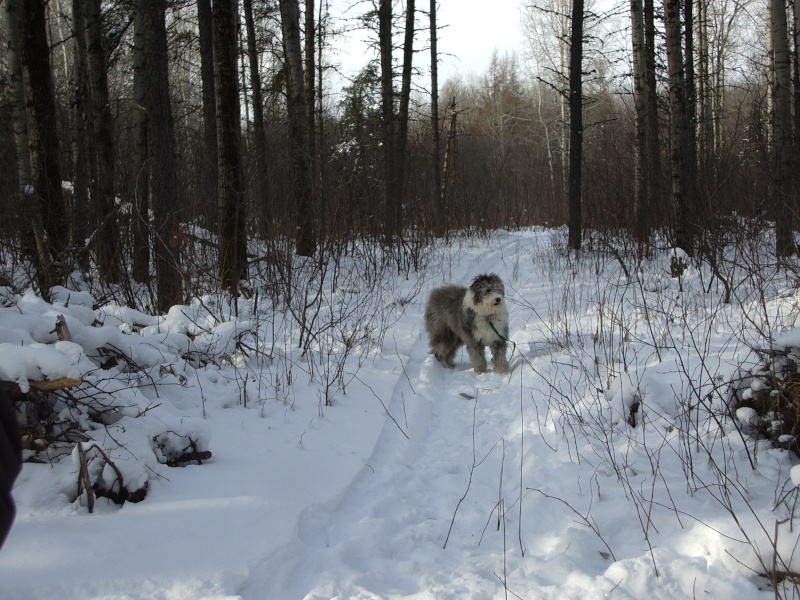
402 494
438 514
418 482
405 492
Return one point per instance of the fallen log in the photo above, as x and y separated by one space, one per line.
53 385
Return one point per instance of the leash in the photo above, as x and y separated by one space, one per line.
513 346
506 340
502 337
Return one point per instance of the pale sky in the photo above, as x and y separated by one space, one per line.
469 30
476 28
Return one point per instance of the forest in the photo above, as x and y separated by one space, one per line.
161 149
216 244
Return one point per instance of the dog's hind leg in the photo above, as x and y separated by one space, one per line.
444 346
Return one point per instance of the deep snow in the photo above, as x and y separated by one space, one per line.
415 481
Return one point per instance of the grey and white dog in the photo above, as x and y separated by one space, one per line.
475 317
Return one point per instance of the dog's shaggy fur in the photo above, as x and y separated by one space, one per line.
475 317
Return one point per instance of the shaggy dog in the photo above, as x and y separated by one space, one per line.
475 316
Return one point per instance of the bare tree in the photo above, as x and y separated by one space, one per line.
141 166
259 127
403 115
682 185
646 174
387 119
653 145
106 239
305 241
781 134
44 219
28 206
161 143
575 125
435 131
230 192
547 26
394 124
205 26
80 136
309 39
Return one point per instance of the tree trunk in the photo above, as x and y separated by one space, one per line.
51 236
259 133
796 99
647 174
403 116
309 84
319 145
439 223
205 27
80 140
106 240
167 242
230 192
653 144
575 125
697 211
781 135
642 197
30 219
449 162
679 130
387 120
705 132
305 242
141 166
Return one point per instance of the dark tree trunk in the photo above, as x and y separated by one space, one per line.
403 116
388 131
696 209
653 137
796 84
106 239
259 127
167 239
141 166
310 88
319 145
28 206
642 198
781 134
80 144
45 219
449 161
305 242
439 224
205 27
43 132
646 151
575 125
679 130
230 192
705 130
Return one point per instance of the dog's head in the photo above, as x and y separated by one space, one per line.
488 293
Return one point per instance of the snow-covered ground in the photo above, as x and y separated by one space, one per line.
363 469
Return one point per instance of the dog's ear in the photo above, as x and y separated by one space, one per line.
487 280
479 279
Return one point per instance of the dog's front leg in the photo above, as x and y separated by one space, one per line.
499 358
477 356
